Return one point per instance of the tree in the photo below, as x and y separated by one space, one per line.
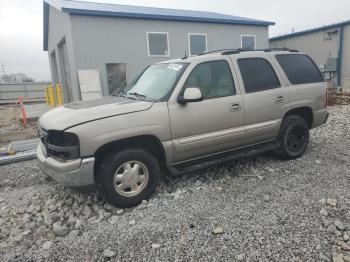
16 78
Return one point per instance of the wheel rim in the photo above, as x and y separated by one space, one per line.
130 178
296 139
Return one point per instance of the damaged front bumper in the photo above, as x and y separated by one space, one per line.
72 173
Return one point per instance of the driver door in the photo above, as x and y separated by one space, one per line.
216 123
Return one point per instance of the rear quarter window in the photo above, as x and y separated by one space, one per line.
300 69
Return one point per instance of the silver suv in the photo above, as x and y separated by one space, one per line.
181 115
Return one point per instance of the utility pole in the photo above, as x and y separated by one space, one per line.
3 70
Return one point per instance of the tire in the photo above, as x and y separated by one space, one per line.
127 177
293 138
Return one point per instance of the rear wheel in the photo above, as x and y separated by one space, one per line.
293 138
127 177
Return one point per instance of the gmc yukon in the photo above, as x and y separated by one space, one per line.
181 115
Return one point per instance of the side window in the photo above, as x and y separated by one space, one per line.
214 78
257 75
300 69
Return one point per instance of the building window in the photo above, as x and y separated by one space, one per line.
257 74
116 77
197 43
248 42
158 44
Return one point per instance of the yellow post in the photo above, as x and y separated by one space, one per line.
59 94
47 95
51 96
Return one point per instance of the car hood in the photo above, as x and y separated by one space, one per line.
80 112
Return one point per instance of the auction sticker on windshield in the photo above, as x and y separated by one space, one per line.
176 67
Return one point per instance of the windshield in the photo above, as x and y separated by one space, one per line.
156 81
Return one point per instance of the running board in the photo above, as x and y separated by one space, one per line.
180 169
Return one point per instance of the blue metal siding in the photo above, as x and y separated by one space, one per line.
149 13
310 31
164 17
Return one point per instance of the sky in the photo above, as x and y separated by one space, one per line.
21 28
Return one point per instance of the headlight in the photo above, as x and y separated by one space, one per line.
62 145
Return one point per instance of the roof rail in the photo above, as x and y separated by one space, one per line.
231 51
239 50
281 49
217 51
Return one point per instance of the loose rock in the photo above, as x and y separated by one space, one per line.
340 225
119 212
47 245
108 253
266 198
346 259
240 257
218 230
345 246
323 212
338 258
59 230
331 228
347 215
155 246
332 202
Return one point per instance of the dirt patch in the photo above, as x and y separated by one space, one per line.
12 129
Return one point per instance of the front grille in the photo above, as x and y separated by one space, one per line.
63 139
60 145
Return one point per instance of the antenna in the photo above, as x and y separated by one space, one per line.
184 56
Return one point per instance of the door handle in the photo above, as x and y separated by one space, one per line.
279 99
235 107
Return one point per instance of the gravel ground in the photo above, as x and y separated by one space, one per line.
256 209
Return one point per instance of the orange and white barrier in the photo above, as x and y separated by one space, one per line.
23 111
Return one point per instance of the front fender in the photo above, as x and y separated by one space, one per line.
93 135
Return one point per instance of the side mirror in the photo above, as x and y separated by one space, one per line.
191 94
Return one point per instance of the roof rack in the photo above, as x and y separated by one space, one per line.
240 50
217 51
231 51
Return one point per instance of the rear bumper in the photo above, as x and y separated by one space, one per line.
320 117
72 173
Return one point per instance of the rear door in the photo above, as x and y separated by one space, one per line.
265 96
306 83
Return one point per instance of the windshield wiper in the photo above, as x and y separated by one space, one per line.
121 93
136 94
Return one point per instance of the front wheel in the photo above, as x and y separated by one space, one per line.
293 138
127 177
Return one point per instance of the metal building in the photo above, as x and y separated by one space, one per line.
328 45
95 49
